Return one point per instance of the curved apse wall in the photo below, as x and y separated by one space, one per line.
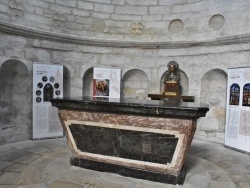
141 20
142 35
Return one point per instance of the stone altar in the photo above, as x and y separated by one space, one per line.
141 139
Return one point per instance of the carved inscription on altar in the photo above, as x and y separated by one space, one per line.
136 145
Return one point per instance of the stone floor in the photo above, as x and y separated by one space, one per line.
45 163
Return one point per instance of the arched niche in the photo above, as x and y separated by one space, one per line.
66 82
15 102
184 83
134 84
213 92
87 86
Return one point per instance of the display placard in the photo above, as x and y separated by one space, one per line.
237 134
47 84
106 82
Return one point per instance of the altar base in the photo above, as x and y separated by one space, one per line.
130 172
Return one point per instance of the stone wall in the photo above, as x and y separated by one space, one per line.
206 37
141 20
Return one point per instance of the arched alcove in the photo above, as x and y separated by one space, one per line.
66 82
87 86
134 84
183 82
213 92
213 88
15 102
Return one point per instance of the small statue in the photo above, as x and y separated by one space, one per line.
172 80
172 75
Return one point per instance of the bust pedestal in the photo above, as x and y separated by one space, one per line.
172 93
171 88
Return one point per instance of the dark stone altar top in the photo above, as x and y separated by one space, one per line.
159 108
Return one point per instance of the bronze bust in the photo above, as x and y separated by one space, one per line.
172 88
172 75
172 80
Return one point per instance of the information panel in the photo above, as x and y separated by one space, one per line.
47 84
237 133
106 82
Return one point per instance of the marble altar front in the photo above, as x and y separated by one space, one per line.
141 139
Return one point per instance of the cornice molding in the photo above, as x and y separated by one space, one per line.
9 28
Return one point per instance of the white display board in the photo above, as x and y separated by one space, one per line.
237 133
106 82
47 84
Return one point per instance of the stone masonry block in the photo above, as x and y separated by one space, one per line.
111 23
75 92
79 12
133 84
208 124
144 85
121 30
39 11
115 60
48 13
14 52
85 5
37 55
4 2
172 52
197 7
74 26
83 20
104 8
4 17
3 8
60 9
135 10
37 18
50 1
69 57
140 91
172 2
94 49
152 18
30 9
154 85
154 74
1 53
129 51
118 2
46 27
125 17
100 15
141 2
71 3
156 25
101 1
193 1
160 10
70 18
153 91
38 3
53 45
12 41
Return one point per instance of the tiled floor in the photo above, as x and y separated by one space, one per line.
45 163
